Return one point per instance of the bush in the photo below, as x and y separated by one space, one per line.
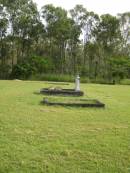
119 67
31 66
41 64
22 71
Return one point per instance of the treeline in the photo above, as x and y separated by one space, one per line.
57 41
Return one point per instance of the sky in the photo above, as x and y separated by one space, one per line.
98 6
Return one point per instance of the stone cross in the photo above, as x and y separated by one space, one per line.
77 83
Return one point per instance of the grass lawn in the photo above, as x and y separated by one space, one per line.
38 139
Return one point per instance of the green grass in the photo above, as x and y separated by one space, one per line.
57 78
40 139
125 82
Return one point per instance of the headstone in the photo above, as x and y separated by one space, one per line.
77 83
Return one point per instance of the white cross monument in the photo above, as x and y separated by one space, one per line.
77 83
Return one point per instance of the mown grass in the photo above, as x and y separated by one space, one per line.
40 139
57 78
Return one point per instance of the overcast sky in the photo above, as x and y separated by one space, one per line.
98 6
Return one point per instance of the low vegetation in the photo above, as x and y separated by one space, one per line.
36 138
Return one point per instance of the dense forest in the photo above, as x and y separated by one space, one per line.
56 41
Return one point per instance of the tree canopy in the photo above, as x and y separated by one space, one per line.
63 42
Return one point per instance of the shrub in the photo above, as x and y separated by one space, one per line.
31 66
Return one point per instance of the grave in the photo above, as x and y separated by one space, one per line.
73 103
53 100
64 92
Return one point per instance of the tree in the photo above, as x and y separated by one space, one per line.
108 36
125 31
4 69
77 41
87 22
24 23
59 29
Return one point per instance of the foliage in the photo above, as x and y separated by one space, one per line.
31 66
76 41
119 67
4 71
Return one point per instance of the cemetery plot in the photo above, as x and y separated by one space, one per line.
72 102
69 101
64 92
59 91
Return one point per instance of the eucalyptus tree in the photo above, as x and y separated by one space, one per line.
74 48
78 15
92 22
125 31
87 21
108 32
3 27
58 27
24 22
3 43
12 8
108 37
